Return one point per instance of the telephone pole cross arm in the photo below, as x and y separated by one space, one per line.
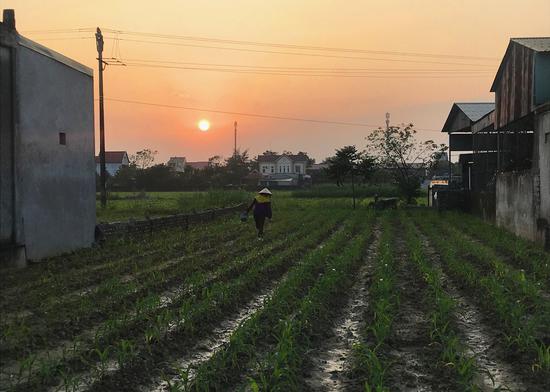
102 170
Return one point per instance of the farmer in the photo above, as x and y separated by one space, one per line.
262 209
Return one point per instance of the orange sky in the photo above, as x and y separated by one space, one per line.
465 28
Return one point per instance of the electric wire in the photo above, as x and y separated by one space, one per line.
274 45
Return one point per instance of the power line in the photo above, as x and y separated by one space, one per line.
294 46
297 69
310 74
266 44
259 115
298 53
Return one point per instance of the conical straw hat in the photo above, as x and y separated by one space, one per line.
265 191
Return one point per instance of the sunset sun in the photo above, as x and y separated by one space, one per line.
204 125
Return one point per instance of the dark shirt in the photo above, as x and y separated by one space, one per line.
262 206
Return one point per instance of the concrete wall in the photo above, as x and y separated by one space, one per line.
542 126
516 195
55 183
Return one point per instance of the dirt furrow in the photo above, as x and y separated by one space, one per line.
204 349
482 341
328 364
412 358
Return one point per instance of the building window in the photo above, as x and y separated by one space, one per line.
263 169
272 169
62 138
297 168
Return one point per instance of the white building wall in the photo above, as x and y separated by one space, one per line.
55 183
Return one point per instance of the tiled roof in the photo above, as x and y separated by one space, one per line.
198 165
275 157
112 157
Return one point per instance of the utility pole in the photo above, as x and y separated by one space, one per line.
387 121
235 149
102 172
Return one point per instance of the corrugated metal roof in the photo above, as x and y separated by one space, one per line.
476 110
538 44
464 114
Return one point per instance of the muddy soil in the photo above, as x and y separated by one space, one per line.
204 349
414 359
327 369
499 366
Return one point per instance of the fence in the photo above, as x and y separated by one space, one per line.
105 230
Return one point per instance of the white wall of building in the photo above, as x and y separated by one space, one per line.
55 183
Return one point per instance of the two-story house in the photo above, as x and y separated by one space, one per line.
114 160
177 164
282 169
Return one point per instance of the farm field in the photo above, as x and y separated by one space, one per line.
331 299
134 205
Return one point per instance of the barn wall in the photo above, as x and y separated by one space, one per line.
514 90
56 183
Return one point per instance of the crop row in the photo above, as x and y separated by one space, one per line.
369 365
522 253
308 288
110 298
510 297
51 279
196 316
453 353
144 327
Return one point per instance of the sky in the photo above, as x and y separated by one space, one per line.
466 38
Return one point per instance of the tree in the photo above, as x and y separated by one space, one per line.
398 151
348 162
236 167
143 159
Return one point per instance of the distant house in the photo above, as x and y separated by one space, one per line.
114 160
47 179
200 165
177 164
282 169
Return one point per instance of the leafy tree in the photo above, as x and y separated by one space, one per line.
236 167
125 178
348 162
406 159
143 159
